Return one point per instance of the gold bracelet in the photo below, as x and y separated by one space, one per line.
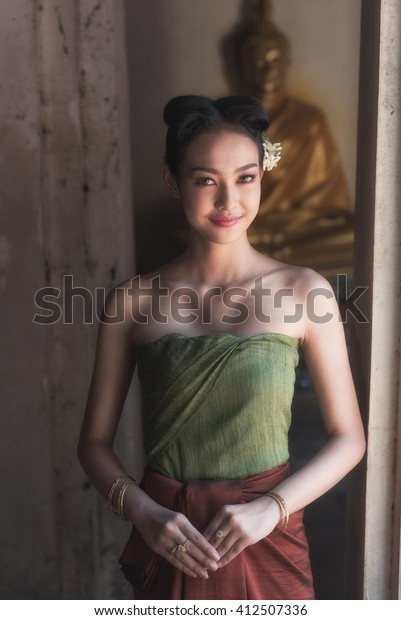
121 498
283 509
111 493
112 489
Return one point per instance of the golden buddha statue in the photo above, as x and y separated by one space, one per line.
305 215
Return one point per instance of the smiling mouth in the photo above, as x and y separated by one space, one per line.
225 221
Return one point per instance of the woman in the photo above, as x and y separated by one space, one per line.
216 335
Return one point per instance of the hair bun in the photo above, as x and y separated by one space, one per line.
237 109
187 116
183 105
244 110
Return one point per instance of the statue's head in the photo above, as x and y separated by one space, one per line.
264 53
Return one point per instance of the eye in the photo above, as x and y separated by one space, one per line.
246 178
204 181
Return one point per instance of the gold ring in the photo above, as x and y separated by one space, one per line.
219 534
179 548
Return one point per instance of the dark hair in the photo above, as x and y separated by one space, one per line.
188 116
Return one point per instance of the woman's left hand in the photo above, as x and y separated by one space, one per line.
240 525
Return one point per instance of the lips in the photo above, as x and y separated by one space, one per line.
225 222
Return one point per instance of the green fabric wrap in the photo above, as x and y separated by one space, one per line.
217 405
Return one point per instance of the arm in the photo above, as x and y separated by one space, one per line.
326 356
111 378
325 352
113 370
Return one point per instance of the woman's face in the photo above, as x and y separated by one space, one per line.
219 184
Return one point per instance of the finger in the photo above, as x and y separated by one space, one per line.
186 562
193 558
172 560
226 543
232 552
219 536
214 526
200 548
194 552
180 529
184 559
216 531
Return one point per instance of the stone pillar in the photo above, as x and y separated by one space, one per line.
66 211
376 348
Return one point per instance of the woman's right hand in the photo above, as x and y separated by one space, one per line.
164 529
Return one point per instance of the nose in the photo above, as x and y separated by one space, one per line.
226 198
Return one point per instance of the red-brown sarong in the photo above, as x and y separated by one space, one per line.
274 568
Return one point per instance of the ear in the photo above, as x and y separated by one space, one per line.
171 181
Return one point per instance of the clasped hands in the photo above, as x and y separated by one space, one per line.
233 528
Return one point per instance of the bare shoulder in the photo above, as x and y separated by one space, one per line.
310 300
322 322
122 301
131 303
314 289
305 280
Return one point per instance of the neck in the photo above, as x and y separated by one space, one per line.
215 264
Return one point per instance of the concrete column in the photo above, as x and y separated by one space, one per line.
67 211
376 348
382 539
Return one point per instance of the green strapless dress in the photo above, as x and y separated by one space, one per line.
217 405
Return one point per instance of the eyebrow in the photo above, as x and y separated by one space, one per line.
215 171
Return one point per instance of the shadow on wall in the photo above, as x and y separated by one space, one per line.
157 217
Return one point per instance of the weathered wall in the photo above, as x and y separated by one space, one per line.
65 210
375 346
382 527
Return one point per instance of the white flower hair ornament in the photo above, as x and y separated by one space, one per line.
272 153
